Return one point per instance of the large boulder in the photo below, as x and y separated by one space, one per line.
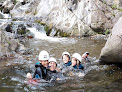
112 51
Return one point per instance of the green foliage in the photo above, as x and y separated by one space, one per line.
114 6
40 22
104 2
107 32
14 19
120 9
61 33
35 12
22 31
64 34
27 12
113 15
47 29
14 1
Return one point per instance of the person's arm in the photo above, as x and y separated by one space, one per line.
38 70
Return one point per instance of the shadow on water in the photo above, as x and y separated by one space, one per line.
98 78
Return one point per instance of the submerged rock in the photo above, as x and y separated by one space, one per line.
112 51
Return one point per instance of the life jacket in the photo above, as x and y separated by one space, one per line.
79 67
68 64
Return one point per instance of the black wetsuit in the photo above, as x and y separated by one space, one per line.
41 71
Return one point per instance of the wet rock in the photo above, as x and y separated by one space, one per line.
8 45
13 46
1 16
23 50
8 28
112 51
8 5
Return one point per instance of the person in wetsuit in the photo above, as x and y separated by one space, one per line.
41 66
76 61
52 73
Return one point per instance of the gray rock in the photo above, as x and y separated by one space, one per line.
13 46
112 51
1 16
8 5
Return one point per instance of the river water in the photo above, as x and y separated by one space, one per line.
98 78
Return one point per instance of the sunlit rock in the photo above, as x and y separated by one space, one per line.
112 51
76 17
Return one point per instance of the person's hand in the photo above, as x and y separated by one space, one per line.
29 76
58 79
58 69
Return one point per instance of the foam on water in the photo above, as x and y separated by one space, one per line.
6 16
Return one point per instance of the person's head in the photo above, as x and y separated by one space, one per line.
43 58
52 64
76 59
65 57
87 53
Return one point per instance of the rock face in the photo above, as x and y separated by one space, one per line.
8 45
112 51
77 17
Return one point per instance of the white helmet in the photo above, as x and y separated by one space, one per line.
77 56
43 55
67 53
52 59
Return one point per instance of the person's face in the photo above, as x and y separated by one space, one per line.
44 63
52 66
74 62
65 58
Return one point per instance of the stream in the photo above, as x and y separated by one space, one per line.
98 78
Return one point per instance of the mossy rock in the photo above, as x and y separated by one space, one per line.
40 22
61 33
64 34
48 30
22 30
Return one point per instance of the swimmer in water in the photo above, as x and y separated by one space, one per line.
66 60
52 73
76 61
41 66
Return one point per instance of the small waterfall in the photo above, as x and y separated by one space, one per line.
38 34
41 34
